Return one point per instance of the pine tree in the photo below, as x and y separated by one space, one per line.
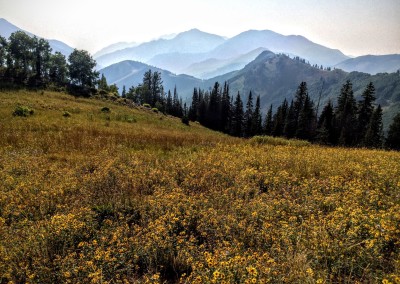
123 95
345 115
237 117
155 88
325 127
393 138
248 116
225 112
169 104
213 111
202 111
306 124
257 120
279 119
176 105
374 135
300 96
193 109
145 89
365 110
289 129
102 85
267 128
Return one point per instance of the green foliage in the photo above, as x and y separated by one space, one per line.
102 84
58 71
147 106
185 120
154 109
23 111
237 117
269 140
105 109
373 137
81 68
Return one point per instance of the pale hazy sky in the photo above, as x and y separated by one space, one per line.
356 27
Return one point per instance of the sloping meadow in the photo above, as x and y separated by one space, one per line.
132 196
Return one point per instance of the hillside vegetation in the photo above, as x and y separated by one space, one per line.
98 192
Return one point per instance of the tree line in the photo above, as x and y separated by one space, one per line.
29 61
349 123
151 92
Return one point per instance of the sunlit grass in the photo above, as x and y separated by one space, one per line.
133 196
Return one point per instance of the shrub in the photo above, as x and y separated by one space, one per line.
66 114
269 140
154 109
147 106
105 109
185 120
23 111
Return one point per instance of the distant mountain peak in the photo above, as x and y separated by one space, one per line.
195 30
372 64
197 33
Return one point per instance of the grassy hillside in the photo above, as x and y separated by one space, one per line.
133 196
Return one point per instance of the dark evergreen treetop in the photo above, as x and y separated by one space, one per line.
248 116
267 127
365 110
256 128
345 114
374 135
325 127
237 117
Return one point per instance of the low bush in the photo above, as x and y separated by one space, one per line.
23 111
105 109
269 140
185 120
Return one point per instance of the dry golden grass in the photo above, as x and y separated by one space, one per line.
132 196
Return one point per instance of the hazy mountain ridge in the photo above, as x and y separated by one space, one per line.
275 77
6 29
372 64
213 67
178 60
205 55
201 65
130 73
192 41
297 45
114 47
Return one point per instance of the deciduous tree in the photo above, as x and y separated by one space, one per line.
81 69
